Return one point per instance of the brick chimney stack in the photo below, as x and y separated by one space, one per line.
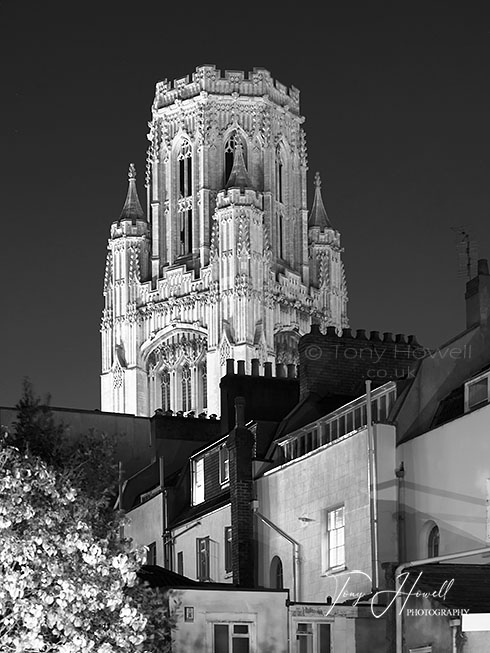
478 296
240 445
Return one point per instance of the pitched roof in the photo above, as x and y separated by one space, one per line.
318 215
132 208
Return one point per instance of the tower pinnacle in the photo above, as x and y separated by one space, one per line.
132 208
239 177
318 216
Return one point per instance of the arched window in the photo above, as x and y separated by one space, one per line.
184 206
230 153
279 176
165 386
276 574
186 388
280 237
433 542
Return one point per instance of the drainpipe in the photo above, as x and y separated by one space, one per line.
296 577
416 563
120 496
166 541
373 487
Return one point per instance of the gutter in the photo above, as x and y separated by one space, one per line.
296 578
416 563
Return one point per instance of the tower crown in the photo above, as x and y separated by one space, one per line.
207 78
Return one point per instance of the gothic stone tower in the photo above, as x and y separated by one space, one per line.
228 264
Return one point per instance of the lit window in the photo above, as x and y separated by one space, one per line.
476 392
224 464
433 542
336 537
228 549
231 638
198 481
202 558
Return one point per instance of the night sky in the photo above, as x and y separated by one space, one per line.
396 99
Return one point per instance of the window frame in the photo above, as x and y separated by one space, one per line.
198 488
224 465
329 548
203 565
230 625
313 634
228 550
467 387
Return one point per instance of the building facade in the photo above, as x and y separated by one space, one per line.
227 263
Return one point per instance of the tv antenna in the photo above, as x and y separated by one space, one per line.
467 250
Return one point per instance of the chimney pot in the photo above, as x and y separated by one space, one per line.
267 369
331 331
291 371
482 266
241 367
346 333
255 367
361 333
230 366
387 336
400 337
280 370
315 329
240 411
374 335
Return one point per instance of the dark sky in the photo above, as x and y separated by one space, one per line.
396 99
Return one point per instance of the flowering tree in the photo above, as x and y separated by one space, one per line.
68 584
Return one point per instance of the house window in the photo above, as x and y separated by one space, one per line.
476 392
185 198
180 563
313 638
228 549
224 465
198 481
165 384
231 638
336 538
433 542
151 554
276 574
202 558
186 388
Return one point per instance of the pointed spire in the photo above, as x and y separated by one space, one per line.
132 208
238 176
318 216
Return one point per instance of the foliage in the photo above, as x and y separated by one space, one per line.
68 582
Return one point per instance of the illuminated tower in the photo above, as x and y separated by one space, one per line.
228 265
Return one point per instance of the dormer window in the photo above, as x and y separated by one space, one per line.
476 392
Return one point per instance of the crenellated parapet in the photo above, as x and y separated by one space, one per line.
208 80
